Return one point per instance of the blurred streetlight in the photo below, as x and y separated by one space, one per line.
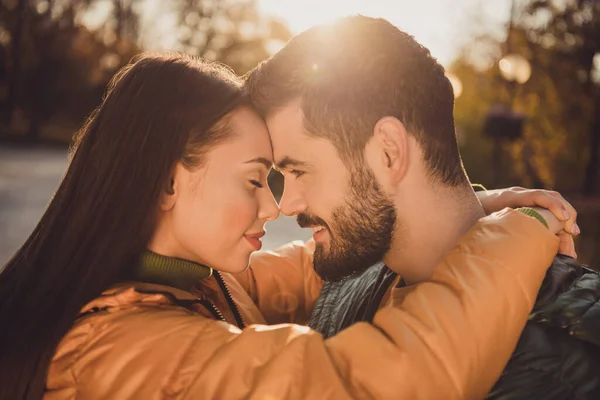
503 123
515 68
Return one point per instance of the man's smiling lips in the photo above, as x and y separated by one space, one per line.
318 231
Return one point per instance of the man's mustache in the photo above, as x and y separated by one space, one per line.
305 220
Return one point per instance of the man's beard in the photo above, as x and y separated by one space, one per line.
364 227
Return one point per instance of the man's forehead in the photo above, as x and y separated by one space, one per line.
286 121
293 149
292 145
286 129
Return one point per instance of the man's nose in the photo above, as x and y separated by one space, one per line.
292 201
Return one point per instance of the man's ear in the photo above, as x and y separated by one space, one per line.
171 189
387 152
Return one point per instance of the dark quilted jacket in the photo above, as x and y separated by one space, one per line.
558 354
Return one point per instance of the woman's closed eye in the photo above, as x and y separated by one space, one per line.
256 183
296 173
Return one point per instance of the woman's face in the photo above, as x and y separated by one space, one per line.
217 212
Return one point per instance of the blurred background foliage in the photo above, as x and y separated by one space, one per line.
57 56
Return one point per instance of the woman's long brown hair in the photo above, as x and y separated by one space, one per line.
157 111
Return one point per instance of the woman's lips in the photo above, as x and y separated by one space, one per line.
254 239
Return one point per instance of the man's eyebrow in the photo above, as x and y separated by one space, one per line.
261 160
287 162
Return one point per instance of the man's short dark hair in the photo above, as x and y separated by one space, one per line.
351 74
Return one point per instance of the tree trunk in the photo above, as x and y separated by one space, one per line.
593 167
15 73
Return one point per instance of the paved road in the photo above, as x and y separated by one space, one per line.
28 179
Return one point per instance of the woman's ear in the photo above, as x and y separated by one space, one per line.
170 193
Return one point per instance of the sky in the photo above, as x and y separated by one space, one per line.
444 26
441 25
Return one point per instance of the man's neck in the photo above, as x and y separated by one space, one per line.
423 238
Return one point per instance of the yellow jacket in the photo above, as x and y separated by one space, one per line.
448 338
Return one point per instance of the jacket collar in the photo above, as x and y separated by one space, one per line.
169 271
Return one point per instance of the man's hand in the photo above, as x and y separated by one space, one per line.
496 200
566 246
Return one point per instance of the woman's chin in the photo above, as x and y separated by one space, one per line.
235 267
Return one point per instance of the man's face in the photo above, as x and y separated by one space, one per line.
352 219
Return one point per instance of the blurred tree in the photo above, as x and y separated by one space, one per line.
230 31
561 104
56 67
561 100
15 12
127 20
570 31
532 159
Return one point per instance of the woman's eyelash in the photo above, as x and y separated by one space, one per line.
256 183
296 173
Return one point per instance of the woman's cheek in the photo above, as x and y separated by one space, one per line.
240 216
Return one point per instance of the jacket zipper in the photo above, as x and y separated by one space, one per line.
234 308
206 303
217 311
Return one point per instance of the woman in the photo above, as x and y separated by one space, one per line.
124 289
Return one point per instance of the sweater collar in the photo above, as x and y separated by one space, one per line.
169 271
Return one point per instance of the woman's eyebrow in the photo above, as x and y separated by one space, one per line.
261 160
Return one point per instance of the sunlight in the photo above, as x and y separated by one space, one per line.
300 15
441 25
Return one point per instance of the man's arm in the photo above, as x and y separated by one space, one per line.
450 338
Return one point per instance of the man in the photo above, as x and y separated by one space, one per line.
361 121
